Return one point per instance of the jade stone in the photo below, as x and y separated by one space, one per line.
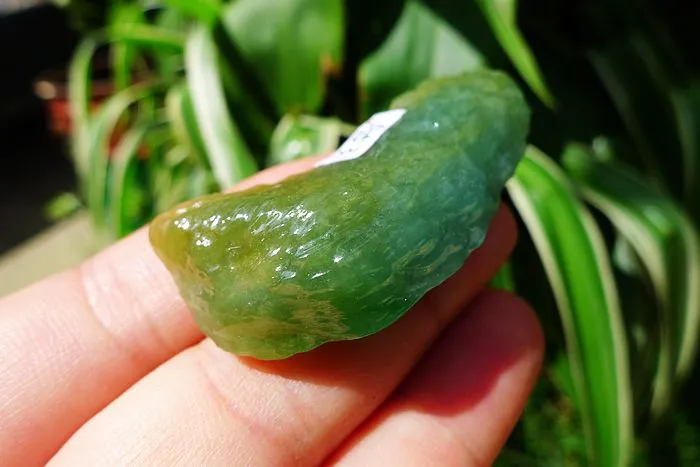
344 250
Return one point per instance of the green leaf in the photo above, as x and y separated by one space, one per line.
501 15
646 336
228 156
244 83
667 244
305 135
421 46
146 36
124 16
504 279
199 182
101 132
127 194
170 65
206 11
575 259
686 103
177 179
62 206
292 44
246 98
171 19
183 122
80 96
647 241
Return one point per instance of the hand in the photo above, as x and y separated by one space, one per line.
103 365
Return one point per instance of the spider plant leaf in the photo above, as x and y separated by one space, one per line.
127 193
576 262
294 45
80 96
228 155
124 16
668 245
102 131
205 11
183 122
422 45
501 15
298 136
146 36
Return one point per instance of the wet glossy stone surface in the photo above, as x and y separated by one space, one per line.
343 251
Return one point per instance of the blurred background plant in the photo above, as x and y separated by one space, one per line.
176 98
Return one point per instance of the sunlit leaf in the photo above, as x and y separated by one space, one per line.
206 11
228 156
667 244
305 135
575 259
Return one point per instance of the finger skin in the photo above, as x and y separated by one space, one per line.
459 405
208 407
72 343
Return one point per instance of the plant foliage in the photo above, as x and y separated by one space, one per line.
208 92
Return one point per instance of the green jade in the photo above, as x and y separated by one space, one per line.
344 250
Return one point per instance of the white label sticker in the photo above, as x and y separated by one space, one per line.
364 137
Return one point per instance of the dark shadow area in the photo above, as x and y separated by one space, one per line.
34 165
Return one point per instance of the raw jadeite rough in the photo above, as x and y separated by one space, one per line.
344 250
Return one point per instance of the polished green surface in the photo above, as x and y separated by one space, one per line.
344 250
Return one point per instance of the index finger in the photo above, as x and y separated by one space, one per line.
74 342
